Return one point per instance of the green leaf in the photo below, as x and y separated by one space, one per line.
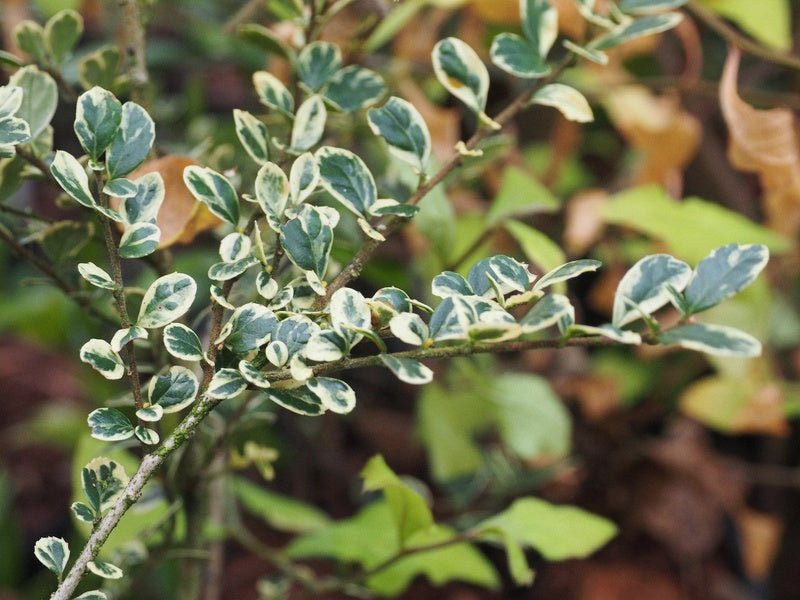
82 512
540 25
410 328
556 532
265 39
516 56
334 394
532 419
354 88
401 125
643 287
126 335
567 271
272 93
103 569
101 357
8 59
724 273
146 435
298 400
174 390
235 246
637 28
167 298
140 239
214 190
303 178
691 228
537 247
450 283
103 481
225 271
100 67
646 7
278 511
29 36
143 206
547 312
520 194
72 178
249 327
253 135
109 425
254 375
307 240
409 510
226 383
459 69
132 142
345 177
569 101
317 62
294 332
771 24
53 553
716 340
39 100
62 32
408 370
96 276
450 320
309 124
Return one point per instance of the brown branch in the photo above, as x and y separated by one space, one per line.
133 26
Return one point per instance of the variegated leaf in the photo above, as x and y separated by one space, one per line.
317 63
72 178
460 70
345 176
334 394
253 375
96 276
303 178
103 481
182 343
567 100
409 328
167 298
174 390
644 287
354 88
272 93
716 340
547 312
408 370
309 124
53 553
101 357
401 125
226 383
132 141
253 135
127 335
214 190
139 240
109 425
98 117
567 271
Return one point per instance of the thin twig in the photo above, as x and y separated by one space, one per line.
738 40
35 161
24 214
247 11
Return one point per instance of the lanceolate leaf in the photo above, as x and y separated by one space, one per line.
173 391
569 101
725 272
132 142
72 178
334 395
109 425
101 356
317 63
96 276
167 298
713 339
345 176
213 190
638 28
53 553
401 125
354 88
408 370
644 286
253 135
183 343
309 124
272 93
140 239
98 116
460 70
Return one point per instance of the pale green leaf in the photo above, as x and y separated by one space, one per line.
309 124
637 28
567 271
40 98
646 7
520 194
151 414
349 310
278 511
303 178
103 569
595 56
29 36
771 24
408 370
226 383
537 247
354 88
272 93
540 25
100 67
516 56
317 62
410 328
10 100
253 375
224 271
607 330
235 246
92 595
334 394
126 335
146 435
61 32
96 276
326 346
547 312
144 204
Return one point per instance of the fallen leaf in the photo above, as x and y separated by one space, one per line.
764 142
761 535
584 224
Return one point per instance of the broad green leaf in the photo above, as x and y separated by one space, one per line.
100 67
174 390
132 142
516 56
103 481
771 24
109 425
146 435
724 273
643 287
349 310
540 25
298 400
182 343
167 298
126 335
140 239
253 375
29 36
569 101
309 124
272 93
334 394
144 204
214 190
61 32
303 178
409 510
39 100
354 88
547 312
520 194
307 240
408 370
83 512
345 176
317 62
460 70
409 328
637 28
532 420
96 276
537 247
151 414
278 511
103 569
249 327
235 246
253 135
716 340
401 125
646 7
101 357
53 553
224 271
556 532
265 39
72 178
691 228
226 383
567 271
